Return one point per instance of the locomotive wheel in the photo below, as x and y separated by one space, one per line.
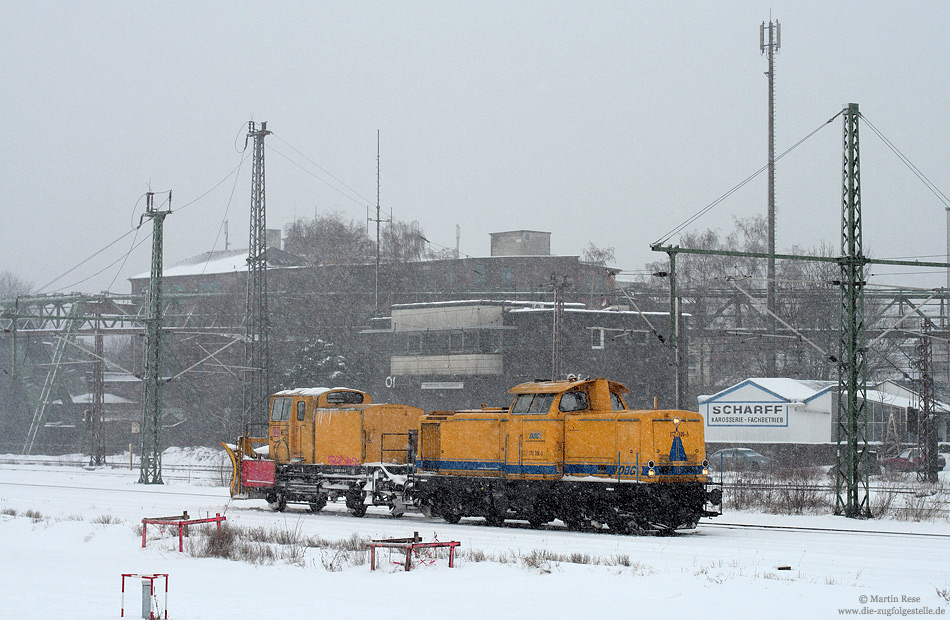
575 524
277 502
618 525
359 510
451 516
318 505
537 520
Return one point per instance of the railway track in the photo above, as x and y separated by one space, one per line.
213 473
511 524
828 530
177 472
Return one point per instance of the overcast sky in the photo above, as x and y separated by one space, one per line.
600 122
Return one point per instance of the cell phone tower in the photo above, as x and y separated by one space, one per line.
769 46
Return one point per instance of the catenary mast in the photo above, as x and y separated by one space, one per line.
256 362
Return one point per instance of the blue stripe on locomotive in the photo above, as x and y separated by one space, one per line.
570 469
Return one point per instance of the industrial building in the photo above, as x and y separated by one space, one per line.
441 354
795 419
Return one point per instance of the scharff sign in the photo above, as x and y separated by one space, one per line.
747 414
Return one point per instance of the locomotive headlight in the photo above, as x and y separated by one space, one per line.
705 471
651 472
676 421
651 464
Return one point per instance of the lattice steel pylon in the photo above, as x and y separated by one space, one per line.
926 420
851 462
257 376
52 377
97 445
150 471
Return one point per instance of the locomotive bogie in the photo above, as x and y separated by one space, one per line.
623 508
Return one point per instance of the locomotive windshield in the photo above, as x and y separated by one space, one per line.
532 403
281 410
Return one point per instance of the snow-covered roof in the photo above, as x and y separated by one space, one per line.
231 261
522 306
791 390
312 391
941 391
594 311
119 377
889 399
798 390
485 302
108 399
802 390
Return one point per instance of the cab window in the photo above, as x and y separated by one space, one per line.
301 410
573 401
532 403
616 403
281 410
345 398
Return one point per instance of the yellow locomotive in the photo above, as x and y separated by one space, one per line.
568 450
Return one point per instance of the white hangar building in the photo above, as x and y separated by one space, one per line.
769 410
792 415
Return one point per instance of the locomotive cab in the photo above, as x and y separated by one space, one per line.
298 425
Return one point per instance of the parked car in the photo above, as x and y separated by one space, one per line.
909 460
740 459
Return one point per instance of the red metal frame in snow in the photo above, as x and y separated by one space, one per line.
151 579
409 545
182 521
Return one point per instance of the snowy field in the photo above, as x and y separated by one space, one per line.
67 535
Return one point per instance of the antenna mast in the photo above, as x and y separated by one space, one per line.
769 48
558 284
378 220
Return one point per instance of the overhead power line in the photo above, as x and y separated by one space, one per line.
741 184
910 165
364 199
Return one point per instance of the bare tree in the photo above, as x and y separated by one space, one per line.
404 242
11 285
329 239
730 336
598 256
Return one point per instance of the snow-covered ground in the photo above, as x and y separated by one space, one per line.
68 534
